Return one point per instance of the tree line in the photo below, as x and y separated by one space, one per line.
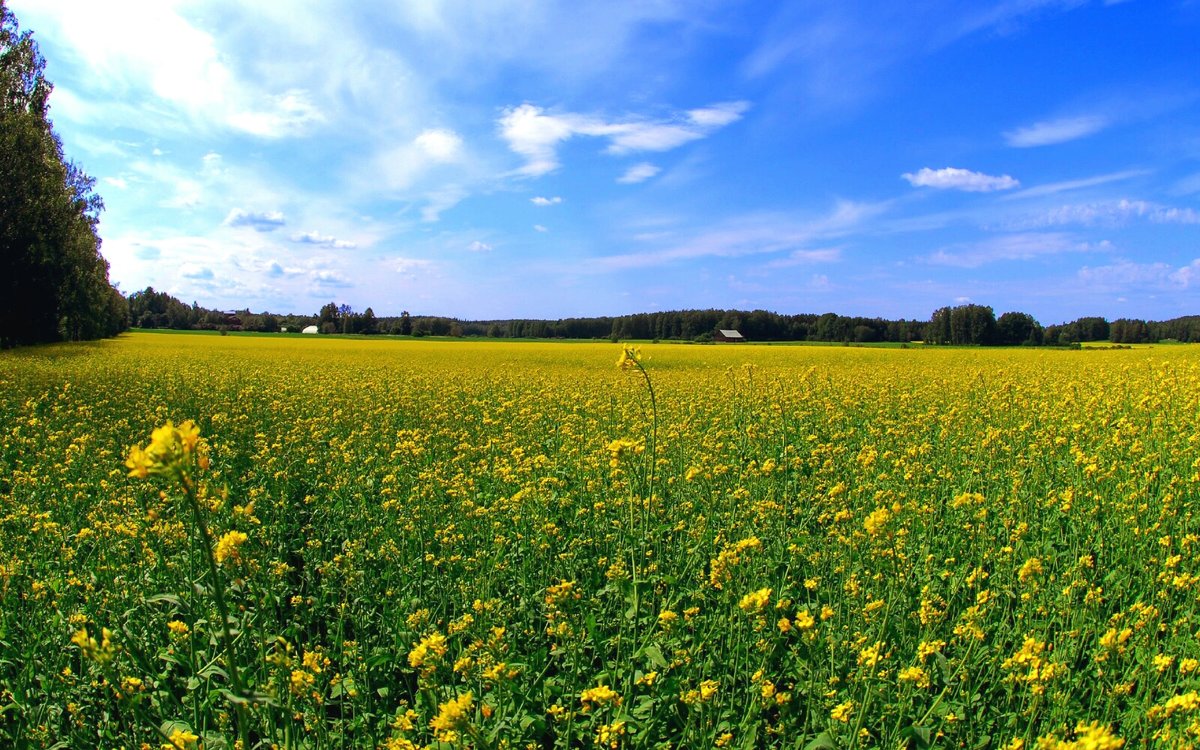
964 325
53 280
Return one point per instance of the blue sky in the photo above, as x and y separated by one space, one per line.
495 159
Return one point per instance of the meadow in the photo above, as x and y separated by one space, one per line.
228 541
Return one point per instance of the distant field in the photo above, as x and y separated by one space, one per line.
491 544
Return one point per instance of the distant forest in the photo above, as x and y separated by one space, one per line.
961 325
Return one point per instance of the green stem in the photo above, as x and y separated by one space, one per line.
218 591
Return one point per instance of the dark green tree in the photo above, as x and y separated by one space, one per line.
53 280
1018 328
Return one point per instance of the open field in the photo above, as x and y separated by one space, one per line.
491 545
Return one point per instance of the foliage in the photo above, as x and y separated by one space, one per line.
486 545
53 280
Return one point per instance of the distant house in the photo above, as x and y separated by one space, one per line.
729 336
283 329
309 329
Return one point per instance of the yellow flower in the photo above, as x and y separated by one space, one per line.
227 547
301 680
451 717
181 739
178 628
599 696
915 675
169 450
755 600
630 357
871 655
610 734
426 652
841 712
708 688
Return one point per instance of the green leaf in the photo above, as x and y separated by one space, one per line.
655 655
823 741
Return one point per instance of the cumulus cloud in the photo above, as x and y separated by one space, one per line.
316 238
952 178
1055 131
536 134
542 201
329 279
440 144
479 247
260 222
276 270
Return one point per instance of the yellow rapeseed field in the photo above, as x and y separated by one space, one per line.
238 541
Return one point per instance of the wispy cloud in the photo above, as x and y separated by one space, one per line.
638 173
1049 132
536 134
1127 274
1067 185
952 178
479 247
756 234
543 201
1008 248
1109 214
266 221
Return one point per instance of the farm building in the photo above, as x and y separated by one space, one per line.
309 329
728 336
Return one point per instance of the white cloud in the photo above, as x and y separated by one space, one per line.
1008 248
638 173
440 144
542 201
441 200
1056 131
260 222
540 228
1124 274
718 115
411 267
404 165
536 134
959 179
1066 185
479 247
117 182
316 238
754 234
195 271
276 270
172 65
805 257
1110 214
328 279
